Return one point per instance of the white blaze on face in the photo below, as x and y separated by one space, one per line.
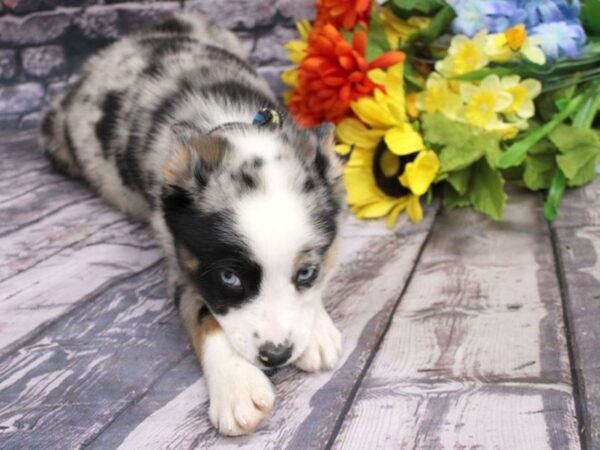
276 226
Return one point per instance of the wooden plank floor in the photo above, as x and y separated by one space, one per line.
458 333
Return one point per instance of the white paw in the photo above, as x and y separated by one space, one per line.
325 347
240 399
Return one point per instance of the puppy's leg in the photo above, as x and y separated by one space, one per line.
325 347
240 394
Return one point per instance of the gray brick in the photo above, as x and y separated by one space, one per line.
272 75
21 98
54 89
31 120
8 64
26 6
36 28
269 47
297 9
240 14
99 22
136 17
9 121
44 61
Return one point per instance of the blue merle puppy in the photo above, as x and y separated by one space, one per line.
173 126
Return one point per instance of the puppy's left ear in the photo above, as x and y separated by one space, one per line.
325 134
193 154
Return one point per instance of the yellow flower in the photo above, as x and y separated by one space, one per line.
296 49
387 112
484 102
353 133
398 29
438 96
464 55
514 42
389 167
523 93
419 174
370 171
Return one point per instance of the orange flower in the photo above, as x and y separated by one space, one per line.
342 13
333 74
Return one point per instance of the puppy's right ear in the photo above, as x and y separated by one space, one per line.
193 155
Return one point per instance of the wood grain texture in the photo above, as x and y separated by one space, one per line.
476 354
61 245
375 266
63 388
577 233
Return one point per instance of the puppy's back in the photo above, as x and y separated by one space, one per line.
109 126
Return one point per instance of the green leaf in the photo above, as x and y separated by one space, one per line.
460 180
453 199
545 104
486 191
377 41
590 15
579 165
516 153
460 144
555 194
438 25
409 8
539 170
567 138
440 130
586 115
543 147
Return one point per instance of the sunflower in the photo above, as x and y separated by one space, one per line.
333 74
389 168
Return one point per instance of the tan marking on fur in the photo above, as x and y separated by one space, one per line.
187 260
206 327
177 166
209 148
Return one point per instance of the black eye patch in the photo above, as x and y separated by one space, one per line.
210 237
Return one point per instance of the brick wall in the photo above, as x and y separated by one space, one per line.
43 42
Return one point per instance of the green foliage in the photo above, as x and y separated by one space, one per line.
539 170
437 26
377 43
579 150
467 165
516 153
409 8
486 190
557 189
590 14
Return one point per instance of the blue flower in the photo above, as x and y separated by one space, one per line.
495 15
546 11
559 39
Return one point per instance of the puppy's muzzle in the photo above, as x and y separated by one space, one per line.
272 355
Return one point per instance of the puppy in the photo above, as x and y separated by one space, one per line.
172 126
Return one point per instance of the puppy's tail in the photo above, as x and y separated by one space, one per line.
56 142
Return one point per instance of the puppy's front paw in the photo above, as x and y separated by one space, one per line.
240 399
325 347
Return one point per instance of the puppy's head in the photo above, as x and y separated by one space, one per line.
254 216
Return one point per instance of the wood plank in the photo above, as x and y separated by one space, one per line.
60 244
375 266
476 354
61 389
577 235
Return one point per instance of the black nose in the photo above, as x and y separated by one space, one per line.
272 355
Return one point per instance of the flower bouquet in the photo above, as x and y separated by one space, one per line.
452 98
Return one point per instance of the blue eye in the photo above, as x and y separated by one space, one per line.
306 275
230 279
